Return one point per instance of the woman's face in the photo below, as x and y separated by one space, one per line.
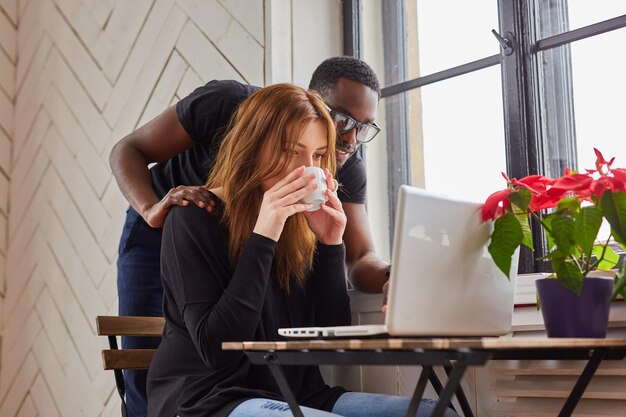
309 151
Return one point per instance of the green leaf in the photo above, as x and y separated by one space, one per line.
571 204
547 227
521 198
568 274
537 301
506 237
614 208
587 224
617 238
610 258
620 283
527 240
563 233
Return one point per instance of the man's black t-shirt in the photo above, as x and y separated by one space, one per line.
205 115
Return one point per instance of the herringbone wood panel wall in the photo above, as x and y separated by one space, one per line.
8 58
75 76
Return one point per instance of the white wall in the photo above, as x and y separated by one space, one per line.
81 74
317 35
300 35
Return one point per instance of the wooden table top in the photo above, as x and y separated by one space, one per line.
489 343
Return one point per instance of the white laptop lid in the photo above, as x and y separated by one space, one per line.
443 280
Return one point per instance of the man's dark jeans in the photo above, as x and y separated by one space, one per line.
140 294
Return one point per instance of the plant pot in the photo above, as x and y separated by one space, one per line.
567 315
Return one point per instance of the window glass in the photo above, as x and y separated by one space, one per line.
598 91
600 97
438 34
584 12
446 37
599 100
462 142
574 14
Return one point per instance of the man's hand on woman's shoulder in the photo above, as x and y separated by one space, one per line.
180 196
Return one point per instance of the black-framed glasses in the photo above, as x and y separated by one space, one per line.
365 132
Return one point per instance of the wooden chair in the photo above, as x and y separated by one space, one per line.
117 359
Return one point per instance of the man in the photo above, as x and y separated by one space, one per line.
183 141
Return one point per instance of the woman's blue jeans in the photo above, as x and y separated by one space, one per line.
350 404
140 294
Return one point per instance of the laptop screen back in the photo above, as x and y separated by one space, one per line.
443 280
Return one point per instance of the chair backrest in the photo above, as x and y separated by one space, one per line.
113 326
119 359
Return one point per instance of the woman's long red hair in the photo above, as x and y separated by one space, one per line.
266 127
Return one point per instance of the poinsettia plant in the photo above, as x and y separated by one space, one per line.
570 209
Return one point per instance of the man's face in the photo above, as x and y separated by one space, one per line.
357 101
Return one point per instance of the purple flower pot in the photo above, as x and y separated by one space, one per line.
567 315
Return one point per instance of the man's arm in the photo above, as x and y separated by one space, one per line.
366 270
158 140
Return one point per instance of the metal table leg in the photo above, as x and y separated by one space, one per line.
427 371
583 382
283 385
460 396
454 381
436 383
462 359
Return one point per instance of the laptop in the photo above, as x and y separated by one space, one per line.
443 280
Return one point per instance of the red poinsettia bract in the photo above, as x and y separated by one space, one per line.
496 204
547 192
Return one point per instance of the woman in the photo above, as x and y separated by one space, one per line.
259 261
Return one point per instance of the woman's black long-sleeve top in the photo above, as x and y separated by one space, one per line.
207 302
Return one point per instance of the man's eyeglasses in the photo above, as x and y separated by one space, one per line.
365 132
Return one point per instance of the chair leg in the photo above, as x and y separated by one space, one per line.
119 379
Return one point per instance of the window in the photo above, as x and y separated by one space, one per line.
461 103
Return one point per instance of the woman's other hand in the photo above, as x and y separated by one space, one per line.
329 222
282 201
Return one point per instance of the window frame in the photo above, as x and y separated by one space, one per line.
526 104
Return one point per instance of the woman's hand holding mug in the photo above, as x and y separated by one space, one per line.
329 222
283 200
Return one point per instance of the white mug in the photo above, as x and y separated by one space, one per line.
317 196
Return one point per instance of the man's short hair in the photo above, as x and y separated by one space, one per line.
331 70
